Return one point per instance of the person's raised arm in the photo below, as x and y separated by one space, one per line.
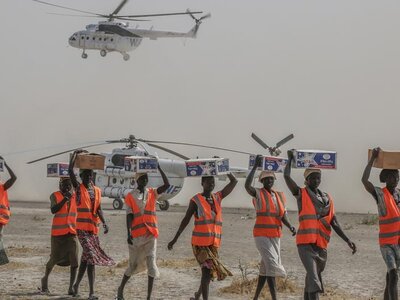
292 185
71 172
185 221
251 190
230 186
367 172
9 183
338 229
165 186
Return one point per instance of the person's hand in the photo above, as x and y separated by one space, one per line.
129 240
106 229
258 161
293 230
352 246
375 152
171 244
68 195
290 154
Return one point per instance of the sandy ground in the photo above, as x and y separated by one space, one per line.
27 239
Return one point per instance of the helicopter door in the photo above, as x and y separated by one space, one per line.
82 41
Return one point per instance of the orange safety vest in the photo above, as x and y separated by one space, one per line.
5 212
312 228
147 222
269 216
87 218
64 221
389 225
207 229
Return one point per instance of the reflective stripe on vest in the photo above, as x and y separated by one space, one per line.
207 229
389 225
312 228
5 212
64 221
87 219
269 216
145 223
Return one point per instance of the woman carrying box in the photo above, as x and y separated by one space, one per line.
388 201
5 209
271 213
88 197
206 236
142 226
316 220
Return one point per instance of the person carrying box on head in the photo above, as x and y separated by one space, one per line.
206 236
316 220
388 201
88 199
142 226
64 244
5 212
271 214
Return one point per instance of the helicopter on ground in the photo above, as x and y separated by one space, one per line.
117 36
116 183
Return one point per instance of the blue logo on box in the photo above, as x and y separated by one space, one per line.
321 160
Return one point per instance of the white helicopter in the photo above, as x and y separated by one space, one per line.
116 36
115 182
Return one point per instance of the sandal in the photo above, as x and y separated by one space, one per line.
119 298
93 297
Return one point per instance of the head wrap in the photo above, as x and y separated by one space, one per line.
265 174
309 171
138 175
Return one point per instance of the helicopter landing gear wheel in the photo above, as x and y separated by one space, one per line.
117 204
84 55
126 56
103 52
164 205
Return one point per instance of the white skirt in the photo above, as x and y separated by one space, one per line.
270 251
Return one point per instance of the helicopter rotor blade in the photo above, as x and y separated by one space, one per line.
168 150
260 141
284 141
70 15
205 17
159 15
63 152
72 9
130 19
120 6
196 145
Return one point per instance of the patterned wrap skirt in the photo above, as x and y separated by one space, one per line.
92 253
207 257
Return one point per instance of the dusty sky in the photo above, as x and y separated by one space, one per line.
326 71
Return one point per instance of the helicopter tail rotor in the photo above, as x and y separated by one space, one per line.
273 151
198 21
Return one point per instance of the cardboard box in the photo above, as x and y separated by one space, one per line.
386 159
207 167
57 170
319 159
141 164
1 165
269 163
90 161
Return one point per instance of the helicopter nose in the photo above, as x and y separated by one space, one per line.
73 39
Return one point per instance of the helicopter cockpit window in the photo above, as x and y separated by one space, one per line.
118 160
73 37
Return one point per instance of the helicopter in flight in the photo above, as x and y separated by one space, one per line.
116 183
115 35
